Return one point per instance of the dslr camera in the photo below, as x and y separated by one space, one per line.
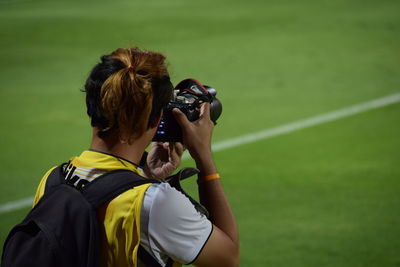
188 95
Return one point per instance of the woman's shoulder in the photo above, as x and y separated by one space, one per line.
166 195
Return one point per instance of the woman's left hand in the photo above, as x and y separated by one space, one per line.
163 159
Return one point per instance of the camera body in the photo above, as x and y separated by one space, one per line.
189 94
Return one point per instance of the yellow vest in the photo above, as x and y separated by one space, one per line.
120 218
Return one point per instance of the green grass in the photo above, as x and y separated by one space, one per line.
323 196
317 203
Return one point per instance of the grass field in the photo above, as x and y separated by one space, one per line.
328 195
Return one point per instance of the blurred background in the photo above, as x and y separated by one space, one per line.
327 195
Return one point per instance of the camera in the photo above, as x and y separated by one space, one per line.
188 95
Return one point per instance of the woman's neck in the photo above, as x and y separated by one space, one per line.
112 145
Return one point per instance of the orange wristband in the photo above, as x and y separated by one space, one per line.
208 178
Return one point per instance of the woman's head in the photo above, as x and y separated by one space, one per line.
126 92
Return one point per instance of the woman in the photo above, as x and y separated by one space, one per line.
125 96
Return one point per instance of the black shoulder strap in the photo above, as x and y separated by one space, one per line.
109 185
105 187
55 178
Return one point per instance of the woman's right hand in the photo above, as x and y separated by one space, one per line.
197 137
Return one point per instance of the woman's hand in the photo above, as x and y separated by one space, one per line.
163 159
197 137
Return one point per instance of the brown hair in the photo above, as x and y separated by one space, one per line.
127 91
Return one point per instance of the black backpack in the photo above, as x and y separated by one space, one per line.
62 229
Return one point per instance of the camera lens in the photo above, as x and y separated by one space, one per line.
215 109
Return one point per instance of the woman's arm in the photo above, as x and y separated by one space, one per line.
222 248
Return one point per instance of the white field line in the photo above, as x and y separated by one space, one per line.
264 134
17 204
305 123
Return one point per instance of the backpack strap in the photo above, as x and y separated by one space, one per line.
56 177
111 184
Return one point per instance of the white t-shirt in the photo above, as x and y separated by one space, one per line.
170 225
